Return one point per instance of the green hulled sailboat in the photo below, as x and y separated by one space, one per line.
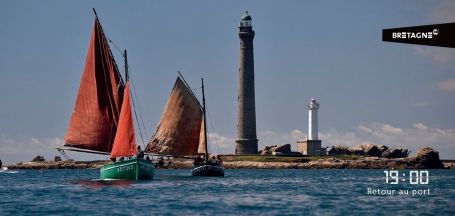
101 120
133 169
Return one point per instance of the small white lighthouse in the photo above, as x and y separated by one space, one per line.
312 144
313 120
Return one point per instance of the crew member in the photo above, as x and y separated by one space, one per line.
219 160
160 162
213 161
197 161
140 153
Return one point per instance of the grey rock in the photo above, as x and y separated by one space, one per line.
286 148
339 150
396 153
429 158
38 158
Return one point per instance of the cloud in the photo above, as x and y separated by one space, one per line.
443 12
14 149
448 85
413 137
220 144
437 54
25 148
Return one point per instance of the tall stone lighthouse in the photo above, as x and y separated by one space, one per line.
247 142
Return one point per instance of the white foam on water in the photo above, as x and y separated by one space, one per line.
6 170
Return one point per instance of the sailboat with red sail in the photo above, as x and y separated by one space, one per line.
101 121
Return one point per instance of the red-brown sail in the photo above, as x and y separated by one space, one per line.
93 122
179 128
124 142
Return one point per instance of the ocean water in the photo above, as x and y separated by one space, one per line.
240 192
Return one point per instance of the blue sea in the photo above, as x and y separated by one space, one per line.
240 192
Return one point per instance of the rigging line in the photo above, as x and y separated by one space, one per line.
213 129
115 46
109 50
139 108
189 88
196 89
137 120
144 128
135 114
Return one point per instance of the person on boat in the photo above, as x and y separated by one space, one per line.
1 165
140 153
122 159
147 158
198 161
213 161
114 159
160 162
220 162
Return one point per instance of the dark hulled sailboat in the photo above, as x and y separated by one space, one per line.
101 120
181 130
206 168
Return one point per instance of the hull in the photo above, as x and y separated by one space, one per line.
208 170
133 169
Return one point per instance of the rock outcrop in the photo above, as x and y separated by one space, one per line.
429 158
370 150
278 150
338 150
38 158
373 150
286 148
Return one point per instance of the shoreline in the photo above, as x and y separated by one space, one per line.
326 163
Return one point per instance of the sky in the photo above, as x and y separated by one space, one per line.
399 95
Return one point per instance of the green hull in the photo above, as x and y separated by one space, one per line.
133 169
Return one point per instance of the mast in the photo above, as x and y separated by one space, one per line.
94 11
126 65
206 154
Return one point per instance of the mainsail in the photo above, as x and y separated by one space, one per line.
178 132
94 120
124 142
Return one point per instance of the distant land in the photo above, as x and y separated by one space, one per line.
425 158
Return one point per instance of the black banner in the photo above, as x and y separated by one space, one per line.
442 35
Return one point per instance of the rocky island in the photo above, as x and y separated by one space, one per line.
426 158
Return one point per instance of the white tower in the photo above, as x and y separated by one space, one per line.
313 120
312 144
